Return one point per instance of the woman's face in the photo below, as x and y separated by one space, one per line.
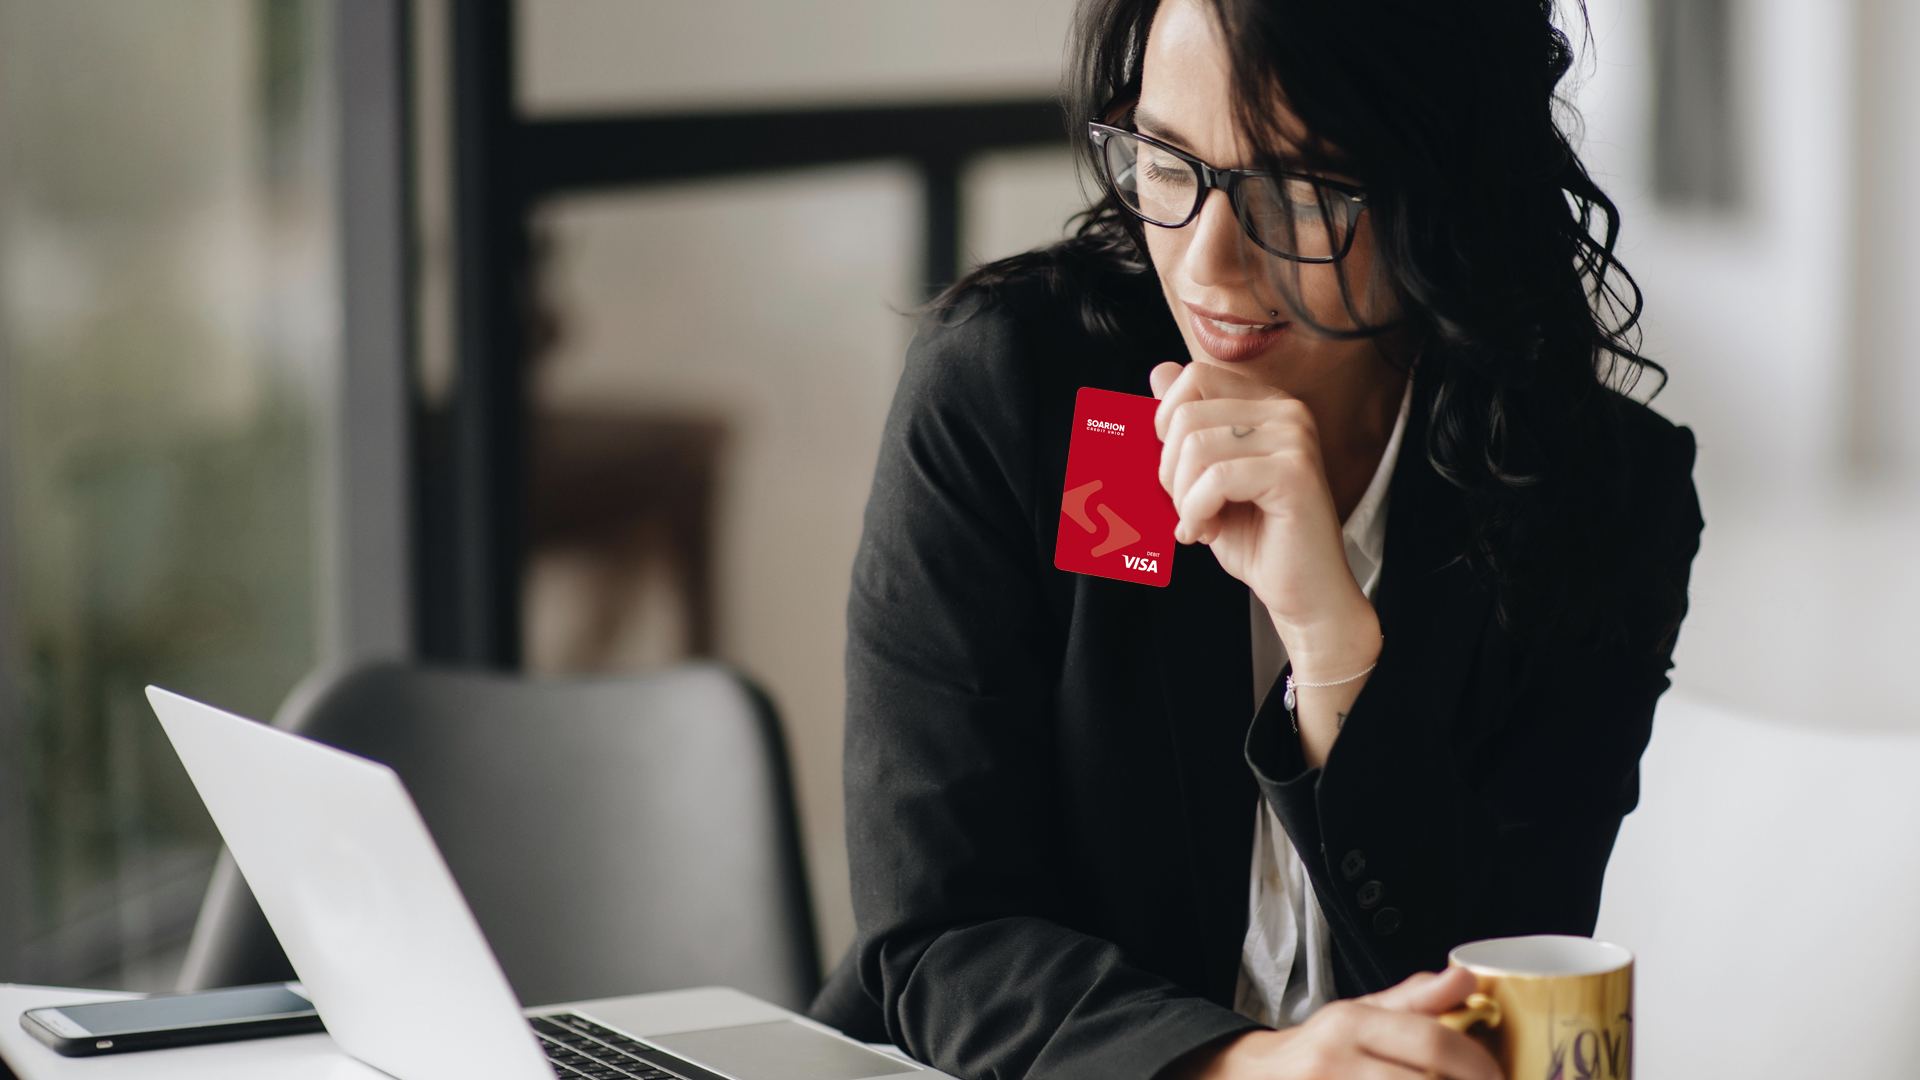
1218 282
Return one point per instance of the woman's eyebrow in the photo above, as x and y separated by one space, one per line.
1144 121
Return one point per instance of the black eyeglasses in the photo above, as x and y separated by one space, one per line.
1295 216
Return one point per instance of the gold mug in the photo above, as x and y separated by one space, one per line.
1550 1007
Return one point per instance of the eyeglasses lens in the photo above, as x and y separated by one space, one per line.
1289 217
1153 183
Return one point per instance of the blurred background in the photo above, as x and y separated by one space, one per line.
557 335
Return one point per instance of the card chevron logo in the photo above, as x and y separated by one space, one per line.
1119 533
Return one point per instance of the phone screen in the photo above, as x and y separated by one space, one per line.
168 1012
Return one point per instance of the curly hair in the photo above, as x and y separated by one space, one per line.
1497 244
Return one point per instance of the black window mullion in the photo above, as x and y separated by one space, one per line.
471 458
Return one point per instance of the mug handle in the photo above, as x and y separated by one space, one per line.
1480 1009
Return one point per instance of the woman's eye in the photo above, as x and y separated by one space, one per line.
1308 203
1302 198
1167 174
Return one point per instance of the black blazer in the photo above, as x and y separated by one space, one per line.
1051 779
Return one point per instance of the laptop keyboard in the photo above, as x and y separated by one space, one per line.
579 1047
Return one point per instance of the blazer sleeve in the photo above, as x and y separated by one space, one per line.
1503 824
953 835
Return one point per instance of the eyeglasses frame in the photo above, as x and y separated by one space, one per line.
1227 181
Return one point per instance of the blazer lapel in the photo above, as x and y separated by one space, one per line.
1432 605
1204 646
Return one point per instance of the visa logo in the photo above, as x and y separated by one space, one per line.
1106 425
1141 562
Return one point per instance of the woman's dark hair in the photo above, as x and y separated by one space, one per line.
1487 229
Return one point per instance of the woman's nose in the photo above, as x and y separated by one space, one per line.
1213 251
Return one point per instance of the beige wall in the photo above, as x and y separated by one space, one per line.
1788 326
598 55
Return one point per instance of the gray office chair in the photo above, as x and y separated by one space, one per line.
612 835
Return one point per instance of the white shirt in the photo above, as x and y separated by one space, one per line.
1286 963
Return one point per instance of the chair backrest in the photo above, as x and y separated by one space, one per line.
613 835
1769 885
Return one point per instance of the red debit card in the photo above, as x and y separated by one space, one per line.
1115 519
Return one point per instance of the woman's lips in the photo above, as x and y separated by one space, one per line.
1229 338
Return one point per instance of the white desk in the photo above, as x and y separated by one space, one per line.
315 1057
293 1057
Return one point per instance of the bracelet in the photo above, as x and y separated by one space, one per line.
1291 699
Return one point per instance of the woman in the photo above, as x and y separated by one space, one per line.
1428 547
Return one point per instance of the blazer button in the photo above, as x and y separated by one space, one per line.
1371 894
1353 865
1386 921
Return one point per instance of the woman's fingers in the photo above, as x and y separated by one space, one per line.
1365 1067
1395 1024
1426 1045
1243 416
1350 1040
1208 415
1243 465
1427 992
1200 381
1237 480
1201 450
1413 1041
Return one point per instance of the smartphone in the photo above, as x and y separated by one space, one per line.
209 1016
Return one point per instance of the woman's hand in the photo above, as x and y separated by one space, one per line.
1391 1035
1242 461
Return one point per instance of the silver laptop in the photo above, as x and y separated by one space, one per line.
389 953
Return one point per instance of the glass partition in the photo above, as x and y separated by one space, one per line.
166 323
